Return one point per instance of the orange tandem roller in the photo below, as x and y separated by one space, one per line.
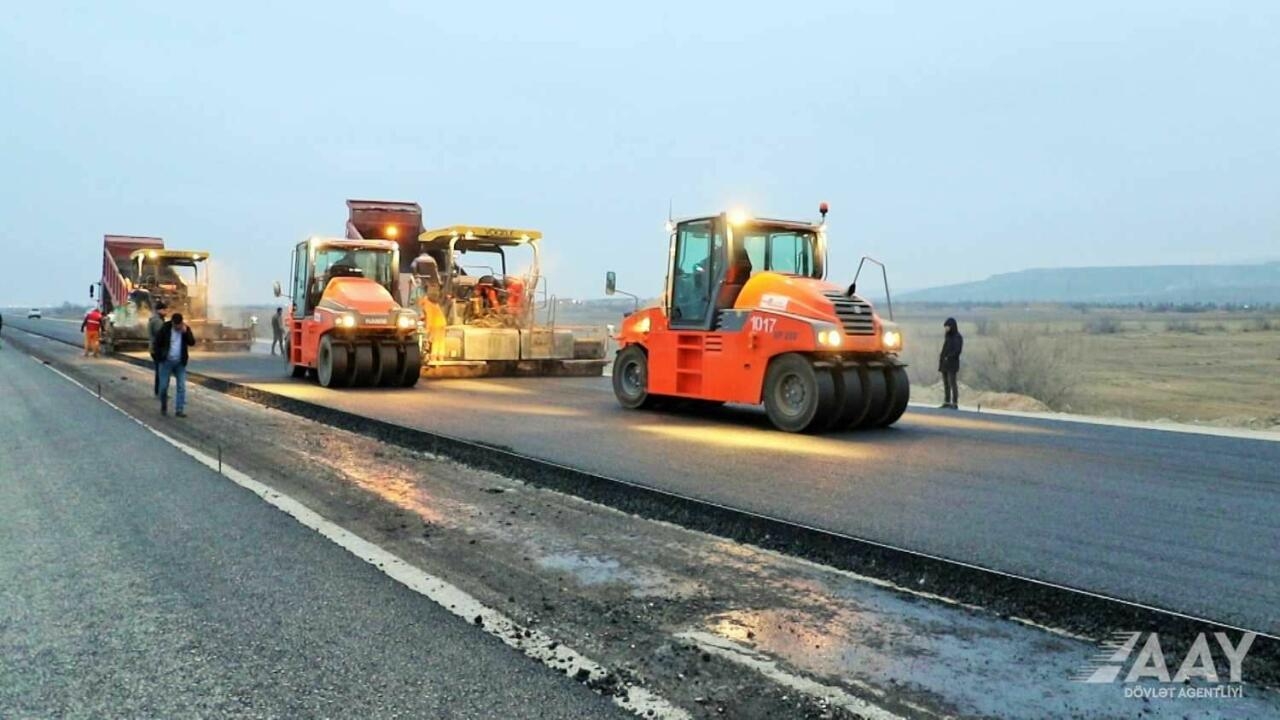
747 317
344 326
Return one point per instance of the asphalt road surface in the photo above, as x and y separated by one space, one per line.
134 582
1185 522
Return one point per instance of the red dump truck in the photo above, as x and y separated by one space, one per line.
137 273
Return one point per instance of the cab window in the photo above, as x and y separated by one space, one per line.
696 244
784 251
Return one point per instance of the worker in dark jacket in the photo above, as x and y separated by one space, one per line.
170 354
153 328
949 364
277 331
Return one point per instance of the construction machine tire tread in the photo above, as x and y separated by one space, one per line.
364 369
851 397
333 363
410 364
899 390
799 397
387 365
631 378
876 389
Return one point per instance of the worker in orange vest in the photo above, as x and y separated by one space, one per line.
91 326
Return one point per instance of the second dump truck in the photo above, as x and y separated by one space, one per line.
138 272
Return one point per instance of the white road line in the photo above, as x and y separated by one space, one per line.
1238 433
532 643
951 561
748 658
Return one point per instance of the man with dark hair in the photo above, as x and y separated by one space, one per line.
170 354
949 364
277 331
153 328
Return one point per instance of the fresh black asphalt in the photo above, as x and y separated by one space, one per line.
135 582
1182 521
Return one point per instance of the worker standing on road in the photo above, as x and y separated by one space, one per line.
277 331
91 326
170 354
153 328
949 364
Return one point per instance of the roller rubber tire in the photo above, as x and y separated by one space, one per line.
899 389
365 369
386 365
876 390
631 378
852 400
797 396
333 363
411 364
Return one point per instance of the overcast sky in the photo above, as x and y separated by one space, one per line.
953 140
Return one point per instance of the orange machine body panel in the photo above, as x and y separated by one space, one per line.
774 313
371 301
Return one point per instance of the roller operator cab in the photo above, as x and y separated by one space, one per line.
747 317
345 327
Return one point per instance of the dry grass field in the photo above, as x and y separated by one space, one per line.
1217 368
1220 368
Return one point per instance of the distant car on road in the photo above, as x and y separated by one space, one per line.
33 314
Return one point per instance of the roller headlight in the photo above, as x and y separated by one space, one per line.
345 320
406 321
891 338
830 337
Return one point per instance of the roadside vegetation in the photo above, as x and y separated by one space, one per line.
1200 364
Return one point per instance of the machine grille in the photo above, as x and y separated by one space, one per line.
854 313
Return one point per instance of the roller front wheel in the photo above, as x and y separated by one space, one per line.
631 378
797 396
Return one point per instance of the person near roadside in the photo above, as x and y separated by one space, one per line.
171 356
153 328
91 326
949 364
277 331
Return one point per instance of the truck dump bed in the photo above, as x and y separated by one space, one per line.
116 267
387 220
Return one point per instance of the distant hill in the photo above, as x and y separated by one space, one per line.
1119 285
